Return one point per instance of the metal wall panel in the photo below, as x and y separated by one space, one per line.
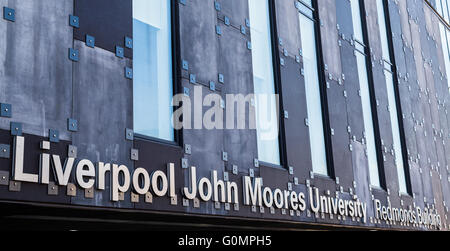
36 74
103 106
95 92
109 21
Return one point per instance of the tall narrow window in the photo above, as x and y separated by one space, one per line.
442 7
388 67
313 94
152 66
360 46
264 82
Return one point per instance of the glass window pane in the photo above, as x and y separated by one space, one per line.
313 97
365 98
396 132
356 17
383 31
445 35
152 67
368 121
264 84
392 100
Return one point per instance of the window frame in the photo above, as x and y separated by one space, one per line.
176 76
392 62
373 100
278 89
323 92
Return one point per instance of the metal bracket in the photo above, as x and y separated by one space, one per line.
16 129
196 203
14 186
74 54
128 42
129 134
174 200
4 178
134 198
71 190
53 135
187 149
72 151
74 21
148 198
128 73
134 154
119 52
5 110
9 14
90 41
5 151
89 193
52 189
184 163
72 125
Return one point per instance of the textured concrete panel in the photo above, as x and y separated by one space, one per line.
35 72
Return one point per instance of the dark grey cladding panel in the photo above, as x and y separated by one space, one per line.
414 8
297 133
342 157
428 134
207 146
276 178
384 118
441 168
391 174
417 184
399 55
240 144
153 157
329 35
361 175
344 18
236 11
352 87
198 20
103 105
109 21
407 89
373 28
35 72
288 26
423 166
395 20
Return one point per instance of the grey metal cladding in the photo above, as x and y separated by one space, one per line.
351 84
104 104
342 157
109 21
294 100
36 75
344 18
239 144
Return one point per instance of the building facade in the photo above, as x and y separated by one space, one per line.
294 114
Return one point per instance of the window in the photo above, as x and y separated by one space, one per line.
264 83
443 8
393 108
369 126
152 67
312 82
